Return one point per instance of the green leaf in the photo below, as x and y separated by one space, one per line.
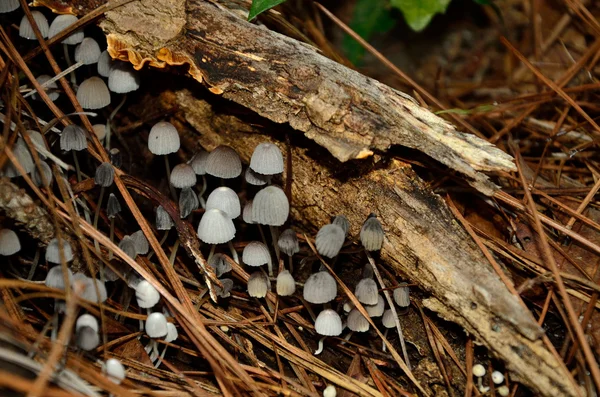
418 13
260 6
370 17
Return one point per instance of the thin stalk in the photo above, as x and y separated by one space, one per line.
96 216
36 260
212 252
171 187
112 237
202 191
275 237
110 119
69 64
290 264
235 257
76 166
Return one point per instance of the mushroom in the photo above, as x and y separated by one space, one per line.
357 322
93 93
371 234
258 285
9 242
289 245
267 159
376 310
54 249
286 285
104 177
215 228
86 332
26 30
329 240
162 141
114 370
224 163
257 254
198 163
188 202
182 176
220 264
320 288
43 178
327 323
73 139
366 291
402 295
271 207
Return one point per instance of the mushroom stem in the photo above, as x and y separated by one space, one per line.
201 193
171 187
69 64
320 348
76 166
110 119
211 253
36 260
275 237
290 264
384 347
160 358
96 216
112 236
234 254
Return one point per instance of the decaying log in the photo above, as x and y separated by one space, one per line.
289 82
423 241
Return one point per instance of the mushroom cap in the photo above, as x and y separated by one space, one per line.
258 285
172 333
127 245
224 292
51 89
371 234
122 78
267 159
330 240
55 279
163 219
224 162
286 285
342 222
256 179
497 377
88 290
220 264
503 391
182 176
146 295
141 243
115 371
105 175
88 51
330 391
105 63
288 242
73 138
188 202
9 5
402 295
163 139
9 242
198 162
100 131
320 287
38 141
377 309
156 325
25 29
366 291
86 320
270 206
388 319
62 22
256 254
478 370
24 158
226 200
36 176
53 254
328 323
93 93
247 213
216 227
357 322
113 207
87 339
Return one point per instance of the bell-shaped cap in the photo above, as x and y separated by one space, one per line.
256 179
55 279
36 175
270 206
105 175
24 158
86 320
93 93
163 139
105 64
188 202
163 219
53 251
198 162
286 285
182 176
146 295
377 309
122 78
320 287
73 138
114 370
256 254
216 227
51 89
267 159
62 22
26 30
86 338
87 52
9 242
156 325
371 234
141 243
224 162
342 222
330 240
113 207
288 242
366 291
328 323
357 322
87 289
127 245
258 285
402 295
226 200
247 213
388 319
8 6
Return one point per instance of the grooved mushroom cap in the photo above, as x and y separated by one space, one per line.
357 322
226 200
87 288
320 287
220 264
52 251
376 310
38 141
163 219
288 242
88 51
105 63
224 162
402 295
156 325
8 6
36 176
224 292
141 243
93 93
286 285
256 179
188 202
100 131
146 295
51 89
172 333
216 227
366 291
113 207
198 162
86 320
105 175
115 371
55 279
270 206
122 78
328 323
25 29
371 234
330 240
388 319
73 138
127 245
267 159
258 285
247 213
342 222
9 242
24 158
61 23
182 176
256 254
163 139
